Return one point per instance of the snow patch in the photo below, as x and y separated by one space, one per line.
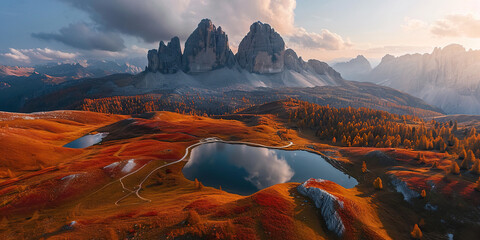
402 187
69 177
327 203
450 236
112 165
129 166
431 207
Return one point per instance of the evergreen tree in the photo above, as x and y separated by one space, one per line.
377 184
364 167
416 232
476 167
454 168
423 194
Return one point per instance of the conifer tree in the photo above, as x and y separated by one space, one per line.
416 232
364 167
377 184
470 157
476 167
478 185
464 164
454 168
423 194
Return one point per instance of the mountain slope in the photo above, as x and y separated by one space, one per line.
354 69
448 78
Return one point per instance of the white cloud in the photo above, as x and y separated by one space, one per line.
155 20
411 24
39 54
324 40
457 25
16 55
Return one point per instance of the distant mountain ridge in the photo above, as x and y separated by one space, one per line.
356 68
15 71
448 78
71 70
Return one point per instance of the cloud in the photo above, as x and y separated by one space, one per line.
155 20
37 54
86 37
411 24
457 25
16 55
324 40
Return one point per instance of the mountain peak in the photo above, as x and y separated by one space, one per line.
387 58
206 49
354 69
261 50
452 48
361 58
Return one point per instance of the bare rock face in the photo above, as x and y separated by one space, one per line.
293 62
170 56
207 49
152 57
262 50
327 204
322 68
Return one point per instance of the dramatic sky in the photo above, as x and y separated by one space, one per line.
37 31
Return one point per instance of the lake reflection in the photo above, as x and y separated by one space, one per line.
86 141
244 169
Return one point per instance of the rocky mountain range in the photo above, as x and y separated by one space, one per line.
261 61
262 69
356 68
16 71
448 78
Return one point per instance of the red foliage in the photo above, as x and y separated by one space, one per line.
268 199
203 206
277 225
149 214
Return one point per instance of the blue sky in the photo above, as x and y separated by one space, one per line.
323 29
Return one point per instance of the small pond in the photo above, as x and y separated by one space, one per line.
86 141
244 169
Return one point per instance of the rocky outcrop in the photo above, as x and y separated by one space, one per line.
293 62
326 203
261 50
402 187
152 57
322 68
207 49
170 56
167 59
